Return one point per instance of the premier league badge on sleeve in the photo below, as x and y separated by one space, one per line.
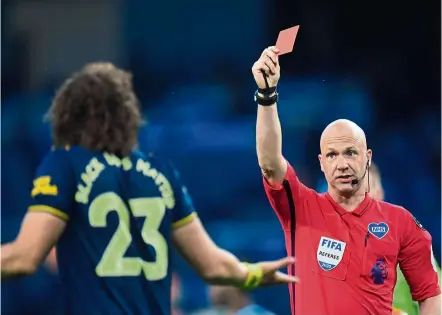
329 253
418 224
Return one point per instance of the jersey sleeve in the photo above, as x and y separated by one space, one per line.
415 260
54 185
286 198
183 211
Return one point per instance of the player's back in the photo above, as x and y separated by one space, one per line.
114 253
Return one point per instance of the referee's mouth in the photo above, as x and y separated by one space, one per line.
344 178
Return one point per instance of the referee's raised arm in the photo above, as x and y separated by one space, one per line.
266 72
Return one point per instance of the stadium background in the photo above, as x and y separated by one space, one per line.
377 63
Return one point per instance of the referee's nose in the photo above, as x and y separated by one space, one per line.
342 164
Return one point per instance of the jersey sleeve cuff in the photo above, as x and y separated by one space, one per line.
427 295
184 221
48 209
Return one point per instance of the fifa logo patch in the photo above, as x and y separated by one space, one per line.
378 230
329 253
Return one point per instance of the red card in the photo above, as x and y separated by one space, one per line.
286 40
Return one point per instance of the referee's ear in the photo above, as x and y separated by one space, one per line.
369 157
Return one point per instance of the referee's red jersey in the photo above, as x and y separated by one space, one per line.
347 260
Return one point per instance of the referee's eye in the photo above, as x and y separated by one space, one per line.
331 155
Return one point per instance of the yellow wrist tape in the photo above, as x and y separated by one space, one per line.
254 276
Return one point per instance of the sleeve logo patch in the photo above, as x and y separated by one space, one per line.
433 260
418 224
42 186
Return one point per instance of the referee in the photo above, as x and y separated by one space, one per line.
347 242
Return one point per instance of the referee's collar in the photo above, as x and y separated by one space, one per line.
359 211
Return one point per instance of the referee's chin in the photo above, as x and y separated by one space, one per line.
346 189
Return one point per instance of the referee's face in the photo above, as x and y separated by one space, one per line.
343 158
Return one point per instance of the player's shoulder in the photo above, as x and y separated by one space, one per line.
56 156
160 162
57 152
76 157
148 156
68 151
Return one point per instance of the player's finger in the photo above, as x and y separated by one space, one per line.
278 264
281 278
284 262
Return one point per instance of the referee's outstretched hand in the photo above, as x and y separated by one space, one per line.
272 275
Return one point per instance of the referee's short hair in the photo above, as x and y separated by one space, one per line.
97 109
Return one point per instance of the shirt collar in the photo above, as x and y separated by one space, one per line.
359 211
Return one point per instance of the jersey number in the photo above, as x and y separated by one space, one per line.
113 263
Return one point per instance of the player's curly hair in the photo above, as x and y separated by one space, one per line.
96 108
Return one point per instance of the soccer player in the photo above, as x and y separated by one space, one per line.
349 242
402 300
114 211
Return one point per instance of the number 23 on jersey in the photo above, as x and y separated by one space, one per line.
113 263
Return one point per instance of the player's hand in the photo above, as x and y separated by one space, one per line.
268 64
51 261
273 276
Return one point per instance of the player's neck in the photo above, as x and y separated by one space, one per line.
348 202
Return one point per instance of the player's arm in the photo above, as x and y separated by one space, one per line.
213 264
268 126
217 266
38 234
46 219
192 241
415 260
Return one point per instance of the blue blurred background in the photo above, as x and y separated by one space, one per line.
377 63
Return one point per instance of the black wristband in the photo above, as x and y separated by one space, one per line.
267 90
267 100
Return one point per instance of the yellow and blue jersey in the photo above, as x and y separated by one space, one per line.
114 255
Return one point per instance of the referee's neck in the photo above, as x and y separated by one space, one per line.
348 201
